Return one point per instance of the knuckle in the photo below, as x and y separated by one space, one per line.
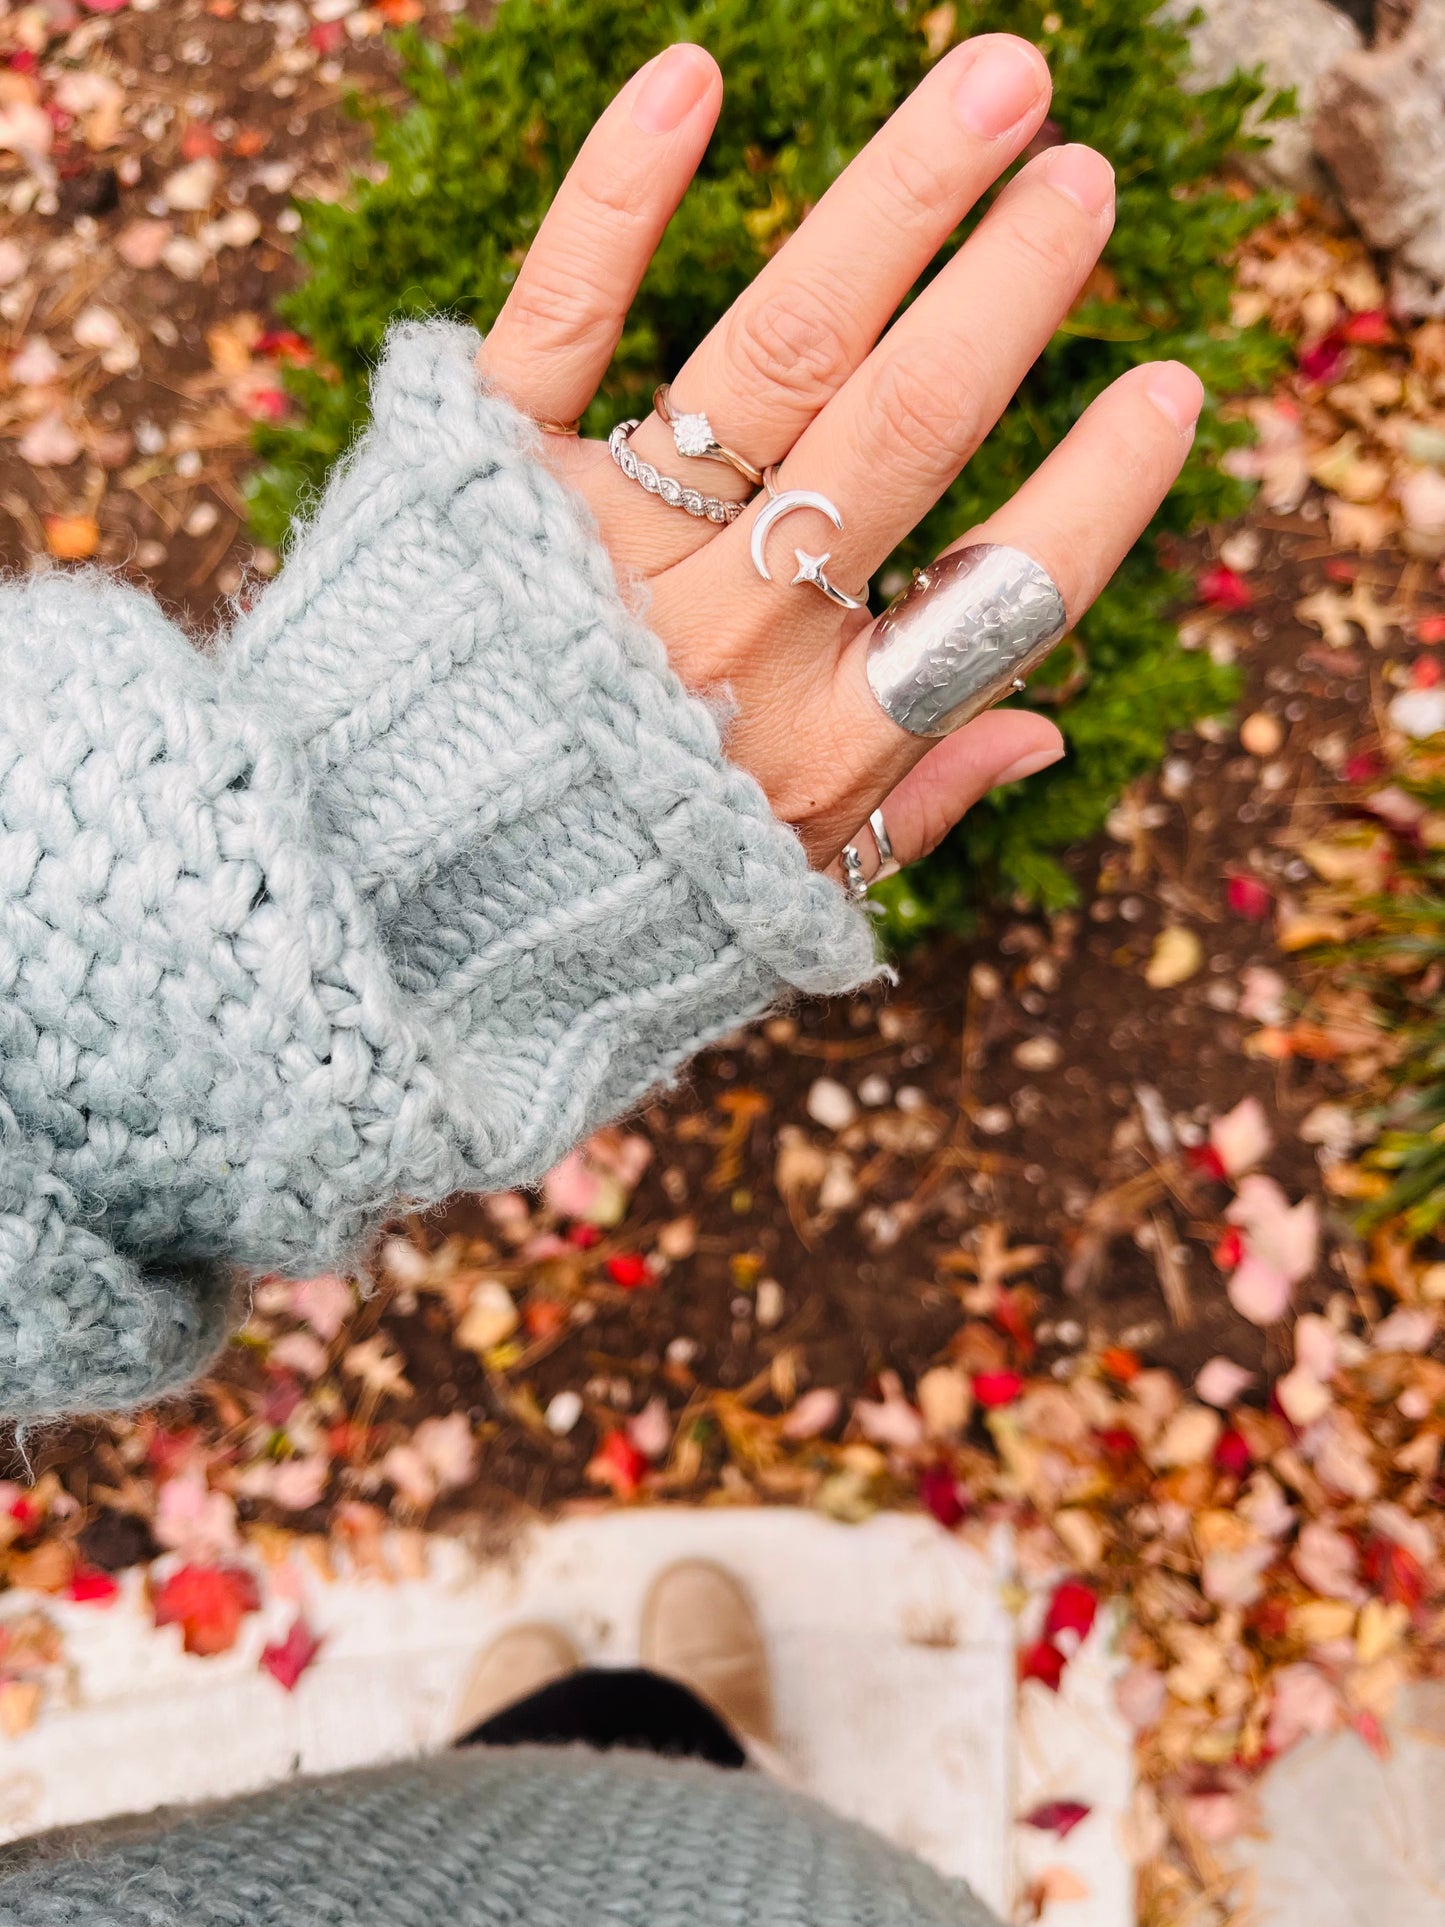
1049 244
928 407
911 186
558 308
795 340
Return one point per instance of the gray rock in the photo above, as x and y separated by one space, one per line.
1297 42
1379 125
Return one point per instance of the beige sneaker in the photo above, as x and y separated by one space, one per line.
699 1628
512 1668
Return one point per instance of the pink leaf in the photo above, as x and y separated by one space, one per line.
1259 1292
1042 1661
816 1412
287 1660
1071 1610
997 1388
1221 1382
1248 897
1241 1139
1221 588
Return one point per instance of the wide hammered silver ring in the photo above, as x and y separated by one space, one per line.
964 635
677 495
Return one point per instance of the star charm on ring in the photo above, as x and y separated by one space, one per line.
810 569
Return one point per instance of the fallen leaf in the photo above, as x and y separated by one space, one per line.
1058 1817
287 1659
208 1603
1176 957
72 538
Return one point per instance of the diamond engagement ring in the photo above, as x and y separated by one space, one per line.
677 495
811 568
692 436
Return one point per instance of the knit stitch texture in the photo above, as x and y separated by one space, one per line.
524 1837
430 869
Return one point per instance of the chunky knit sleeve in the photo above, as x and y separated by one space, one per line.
430 869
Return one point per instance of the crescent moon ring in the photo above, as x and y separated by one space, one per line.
781 505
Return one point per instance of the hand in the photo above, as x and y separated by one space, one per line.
800 372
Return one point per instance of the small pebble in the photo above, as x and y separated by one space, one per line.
769 1303
563 1412
1037 1054
874 1090
1261 734
831 1105
202 519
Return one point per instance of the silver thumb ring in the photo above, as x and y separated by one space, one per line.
963 635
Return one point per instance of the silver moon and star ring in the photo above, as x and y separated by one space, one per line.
965 634
677 495
812 569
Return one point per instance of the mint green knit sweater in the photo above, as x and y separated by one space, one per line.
430 866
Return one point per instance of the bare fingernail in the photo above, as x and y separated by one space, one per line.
1082 174
1177 392
1029 765
999 87
671 87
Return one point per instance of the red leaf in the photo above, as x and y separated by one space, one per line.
1057 1816
1119 1443
209 1602
1426 671
1373 329
1229 1252
1071 1610
199 143
1232 1454
1325 360
1042 1661
285 344
1248 897
288 1659
328 37
1363 767
1395 1574
583 1236
1204 1157
90 1588
630 1270
938 1489
1430 629
618 1463
1340 569
1120 1363
1221 588
1011 1315
997 1388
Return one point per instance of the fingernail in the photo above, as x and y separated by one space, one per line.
671 87
1085 176
1029 765
1177 392
999 87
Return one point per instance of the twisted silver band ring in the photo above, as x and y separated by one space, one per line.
677 495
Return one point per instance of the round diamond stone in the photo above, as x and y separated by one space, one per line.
692 434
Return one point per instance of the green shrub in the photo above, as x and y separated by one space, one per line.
498 113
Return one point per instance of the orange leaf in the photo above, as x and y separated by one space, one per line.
72 538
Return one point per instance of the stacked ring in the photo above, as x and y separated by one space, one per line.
677 495
692 437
